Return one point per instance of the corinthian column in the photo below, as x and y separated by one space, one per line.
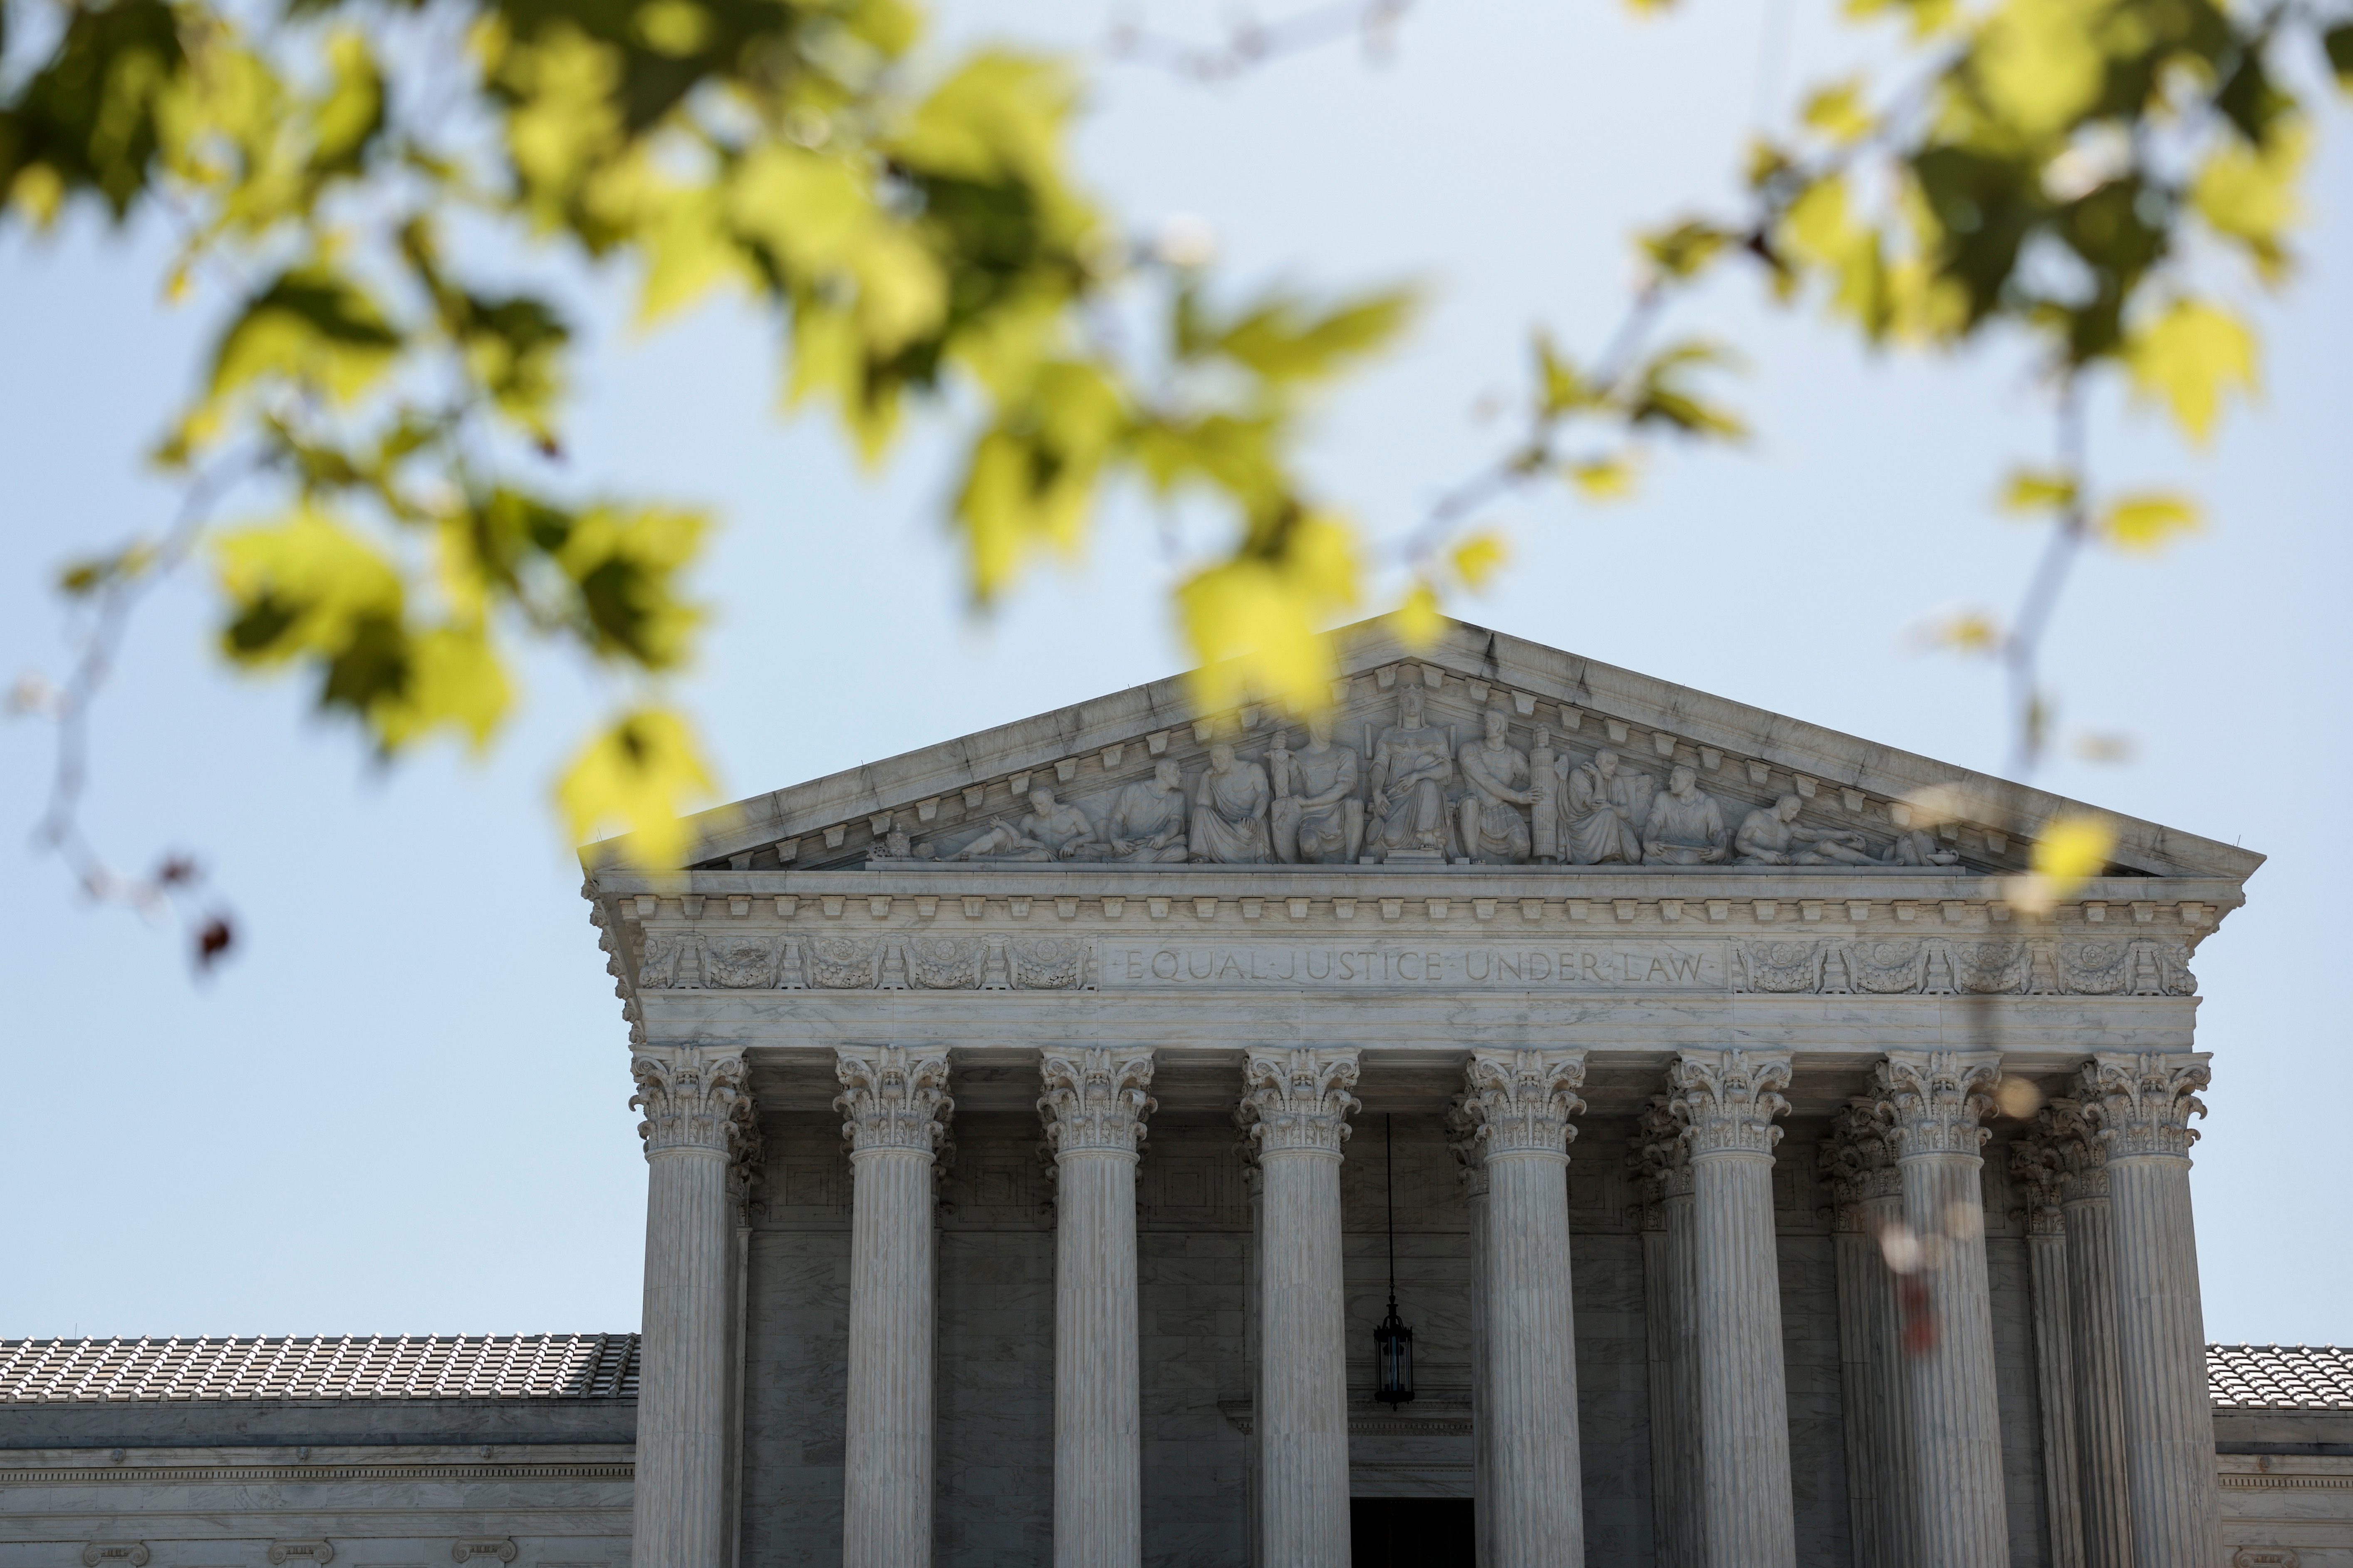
1660 1163
696 1111
1728 1100
895 1106
1521 1102
1296 1104
2140 1106
2088 1224
2035 1176
1933 1105
1866 1198
1094 1109
1462 1139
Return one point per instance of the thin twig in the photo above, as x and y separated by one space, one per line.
60 830
2021 648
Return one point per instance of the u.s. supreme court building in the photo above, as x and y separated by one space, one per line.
1532 1114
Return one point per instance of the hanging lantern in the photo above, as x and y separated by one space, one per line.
1393 1358
1392 1340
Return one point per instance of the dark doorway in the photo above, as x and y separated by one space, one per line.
1411 1532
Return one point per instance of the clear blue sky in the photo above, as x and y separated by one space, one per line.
402 1108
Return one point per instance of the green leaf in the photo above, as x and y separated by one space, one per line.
2147 522
91 117
1685 250
1284 341
2337 44
2037 490
1562 386
311 325
638 774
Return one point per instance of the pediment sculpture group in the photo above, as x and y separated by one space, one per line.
1422 799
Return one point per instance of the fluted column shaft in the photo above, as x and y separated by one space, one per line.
695 1112
1462 1130
1866 1192
1253 1484
1728 1099
1888 1388
1296 1102
2102 1487
1094 1109
895 1105
1661 1166
1522 1102
2034 1172
1934 1105
2140 1106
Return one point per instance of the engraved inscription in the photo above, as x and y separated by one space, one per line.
1407 965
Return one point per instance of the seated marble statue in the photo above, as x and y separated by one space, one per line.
1316 818
1410 767
1772 838
1051 831
1494 833
1602 806
1917 847
1146 825
1229 812
1685 825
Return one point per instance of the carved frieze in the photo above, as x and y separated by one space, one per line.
1897 966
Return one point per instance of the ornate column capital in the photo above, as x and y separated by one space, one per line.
2142 1103
1095 1100
1936 1102
1658 1164
1298 1097
2083 1164
694 1097
1727 1099
1855 1163
1463 1143
2036 1175
1520 1100
892 1097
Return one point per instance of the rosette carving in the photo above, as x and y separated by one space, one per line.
1298 1098
841 963
1096 1099
741 962
2094 968
1936 1102
1727 1099
1991 968
1049 962
892 1097
946 963
693 1098
2142 1103
1522 1099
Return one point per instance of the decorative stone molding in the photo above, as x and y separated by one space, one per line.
893 1097
700 961
1298 1097
134 1552
2083 1162
1727 1099
1892 966
2141 1104
1936 1102
1522 1099
693 1098
746 1171
502 1549
320 1553
1096 1099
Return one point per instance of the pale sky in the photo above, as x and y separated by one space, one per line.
402 1107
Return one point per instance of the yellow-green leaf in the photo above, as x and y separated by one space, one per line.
2038 489
2191 357
2249 193
639 776
1478 558
2149 521
1255 622
1604 479
1841 112
1417 621
1685 250
311 325
302 586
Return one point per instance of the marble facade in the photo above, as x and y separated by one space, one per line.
1774 1183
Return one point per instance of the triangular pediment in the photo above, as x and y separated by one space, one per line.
944 796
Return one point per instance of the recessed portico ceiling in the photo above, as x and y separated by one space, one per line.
944 794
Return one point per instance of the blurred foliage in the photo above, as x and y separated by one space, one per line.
2097 177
